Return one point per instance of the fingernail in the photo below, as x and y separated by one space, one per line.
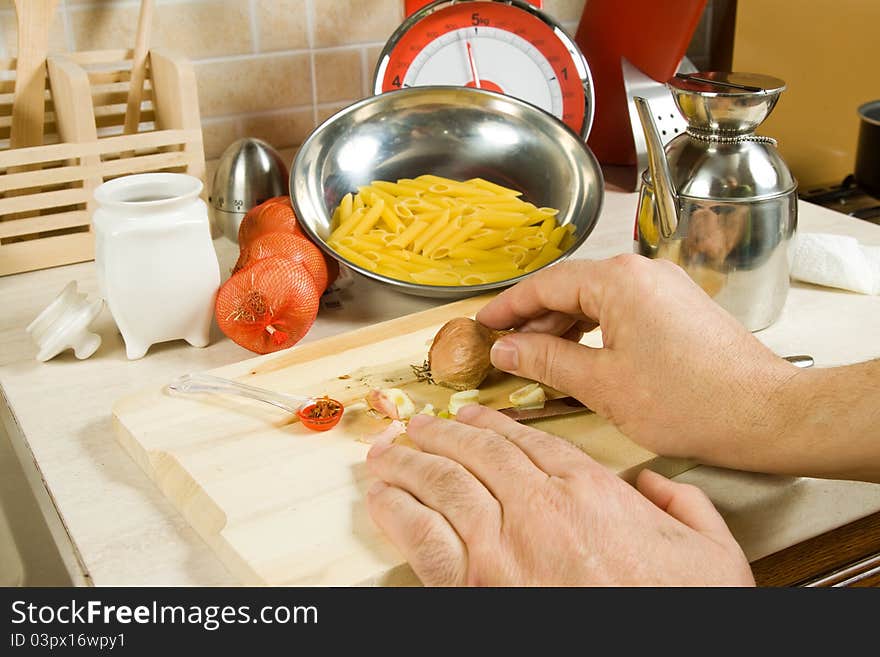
377 488
504 355
469 411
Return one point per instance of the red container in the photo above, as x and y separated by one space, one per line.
653 36
319 423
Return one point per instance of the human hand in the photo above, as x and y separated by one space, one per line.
488 501
677 373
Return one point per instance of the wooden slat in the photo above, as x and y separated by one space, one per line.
6 103
42 201
48 117
41 178
46 252
107 116
50 133
104 97
44 223
144 163
116 144
145 140
100 77
39 154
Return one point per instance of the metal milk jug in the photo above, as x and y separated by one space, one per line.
719 200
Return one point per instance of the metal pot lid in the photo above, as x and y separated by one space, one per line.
870 112
722 83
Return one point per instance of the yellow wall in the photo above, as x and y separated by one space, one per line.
828 51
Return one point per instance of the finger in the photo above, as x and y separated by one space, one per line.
562 364
424 537
574 288
555 323
551 454
440 484
685 503
500 465
552 323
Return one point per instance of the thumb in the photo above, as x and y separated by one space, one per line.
686 503
551 360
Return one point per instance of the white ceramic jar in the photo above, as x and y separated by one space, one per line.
156 264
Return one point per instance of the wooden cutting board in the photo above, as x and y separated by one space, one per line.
283 505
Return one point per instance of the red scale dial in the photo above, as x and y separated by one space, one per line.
507 47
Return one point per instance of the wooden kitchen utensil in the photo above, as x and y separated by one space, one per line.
280 504
138 71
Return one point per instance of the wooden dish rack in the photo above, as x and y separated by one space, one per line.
46 192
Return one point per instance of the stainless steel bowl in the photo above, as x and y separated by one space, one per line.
456 132
735 103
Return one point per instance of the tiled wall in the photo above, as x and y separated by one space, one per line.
266 68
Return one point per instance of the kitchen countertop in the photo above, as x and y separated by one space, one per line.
120 529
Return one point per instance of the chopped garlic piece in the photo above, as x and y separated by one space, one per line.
528 397
391 402
428 410
463 398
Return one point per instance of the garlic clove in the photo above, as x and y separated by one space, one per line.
528 397
461 399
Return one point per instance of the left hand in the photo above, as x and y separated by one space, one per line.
488 501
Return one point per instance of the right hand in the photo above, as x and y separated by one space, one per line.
677 373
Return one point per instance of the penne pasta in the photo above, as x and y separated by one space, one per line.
442 236
492 187
436 277
434 230
348 225
497 219
456 239
370 218
390 219
345 208
547 255
556 236
353 256
487 242
403 240
436 226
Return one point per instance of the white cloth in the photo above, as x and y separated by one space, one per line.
836 261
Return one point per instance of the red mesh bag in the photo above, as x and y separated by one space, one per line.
268 306
289 246
271 216
264 220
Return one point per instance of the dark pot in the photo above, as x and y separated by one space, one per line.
867 171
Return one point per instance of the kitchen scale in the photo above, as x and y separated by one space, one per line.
505 46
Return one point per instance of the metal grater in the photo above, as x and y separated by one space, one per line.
669 120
